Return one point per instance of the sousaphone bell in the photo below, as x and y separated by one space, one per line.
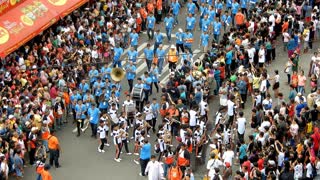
117 74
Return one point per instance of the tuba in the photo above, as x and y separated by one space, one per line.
117 74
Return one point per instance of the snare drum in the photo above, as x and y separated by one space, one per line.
137 94
130 110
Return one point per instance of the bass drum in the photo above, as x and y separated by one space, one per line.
137 94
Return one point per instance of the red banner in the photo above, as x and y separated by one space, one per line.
30 18
6 5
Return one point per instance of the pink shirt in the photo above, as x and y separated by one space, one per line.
301 80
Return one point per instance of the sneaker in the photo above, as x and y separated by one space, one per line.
135 161
117 160
129 153
83 130
198 156
99 150
103 151
131 125
137 154
107 145
140 174
121 152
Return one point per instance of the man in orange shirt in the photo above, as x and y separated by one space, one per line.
45 174
54 149
239 19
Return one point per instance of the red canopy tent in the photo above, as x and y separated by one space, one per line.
29 18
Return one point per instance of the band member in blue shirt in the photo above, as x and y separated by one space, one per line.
169 21
179 40
151 20
131 74
158 41
175 8
148 53
94 115
160 54
147 86
134 39
139 102
81 111
118 51
190 22
154 74
133 55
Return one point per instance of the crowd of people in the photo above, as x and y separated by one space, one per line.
64 76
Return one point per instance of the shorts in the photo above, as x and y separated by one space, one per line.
276 86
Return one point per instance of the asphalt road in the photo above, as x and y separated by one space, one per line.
80 159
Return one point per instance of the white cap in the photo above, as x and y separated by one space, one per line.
11 116
180 30
173 46
34 128
299 94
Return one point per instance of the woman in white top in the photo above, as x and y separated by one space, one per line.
294 127
262 56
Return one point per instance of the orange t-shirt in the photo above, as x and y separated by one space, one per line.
285 26
143 13
45 135
46 175
66 98
53 142
239 18
150 7
159 5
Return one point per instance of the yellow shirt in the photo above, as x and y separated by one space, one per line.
309 127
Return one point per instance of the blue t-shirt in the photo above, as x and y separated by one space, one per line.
93 74
147 83
191 8
234 8
175 8
145 152
151 22
134 39
94 115
169 22
84 87
212 14
159 38
179 37
80 110
243 3
205 25
229 56
148 53
204 39
190 21
132 55
117 53
216 27
131 75
161 53
242 151
229 4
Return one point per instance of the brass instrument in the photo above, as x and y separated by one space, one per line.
117 74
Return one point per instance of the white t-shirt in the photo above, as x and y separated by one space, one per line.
230 108
262 55
286 36
102 131
309 170
228 156
193 119
241 125
263 86
298 171
213 163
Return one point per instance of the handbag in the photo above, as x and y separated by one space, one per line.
155 60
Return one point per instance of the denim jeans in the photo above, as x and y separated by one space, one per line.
216 37
175 17
116 63
143 165
94 128
168 32
301 89
165 169
160 65
45 144
150 33
54 157
149 62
